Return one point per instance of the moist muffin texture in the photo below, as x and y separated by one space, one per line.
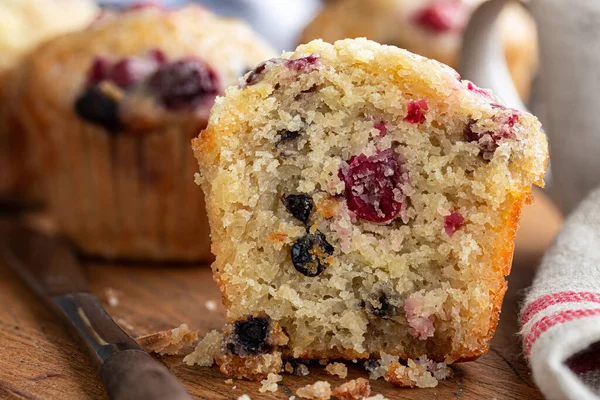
432 28
112 110
413 181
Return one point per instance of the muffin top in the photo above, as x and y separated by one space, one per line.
432 28
24 23
141 68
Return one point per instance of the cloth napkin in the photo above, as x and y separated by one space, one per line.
560 318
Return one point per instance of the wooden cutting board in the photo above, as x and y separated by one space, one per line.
39 360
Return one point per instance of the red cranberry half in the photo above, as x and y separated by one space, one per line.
441 16
129 71
372 186
184 84
416 111
453 222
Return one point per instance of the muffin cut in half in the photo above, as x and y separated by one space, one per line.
363 201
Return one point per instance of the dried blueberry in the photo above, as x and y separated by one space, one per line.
385 310
299 205
184 84
98 108
286 136
250 336
373 186
256 74
310 254
371 365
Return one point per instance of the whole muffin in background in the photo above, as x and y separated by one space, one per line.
112 110
23 25
432 28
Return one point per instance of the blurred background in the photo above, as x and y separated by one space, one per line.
278 21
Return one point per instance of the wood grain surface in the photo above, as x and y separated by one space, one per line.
39 360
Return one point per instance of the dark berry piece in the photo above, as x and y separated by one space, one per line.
385 310
372 186
299 205
256 75
371 365
184 84
310 254
99 71
286 136
416 111
250 336
453 222
129 71
441 16
98 108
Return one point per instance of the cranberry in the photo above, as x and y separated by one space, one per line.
128 71
483 92
143 5
489 141
299 205
441 16
416 111
380 126
453 222
305 63
184 83
250 336
310 254
99 71
98 108
373 186
158 56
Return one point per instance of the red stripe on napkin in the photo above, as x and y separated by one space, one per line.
549 321
557 298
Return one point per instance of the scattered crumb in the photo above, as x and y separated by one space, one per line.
112 296
244 397
168 342
422 373
229 381
356 389
211 305
302 370
338 369
292 398
270 384
320 390
377 397
296 368
234 387
323 362
206 351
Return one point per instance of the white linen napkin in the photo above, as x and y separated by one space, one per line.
560 318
